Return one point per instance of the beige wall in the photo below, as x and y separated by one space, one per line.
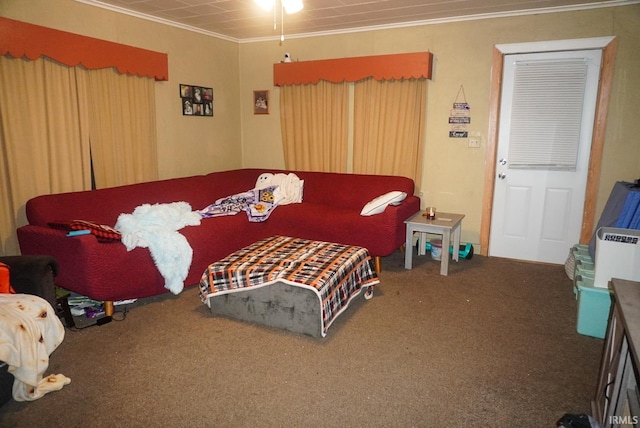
186 145
454 173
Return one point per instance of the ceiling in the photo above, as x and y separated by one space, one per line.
243 20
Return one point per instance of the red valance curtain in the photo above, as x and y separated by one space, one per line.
20 39
415 65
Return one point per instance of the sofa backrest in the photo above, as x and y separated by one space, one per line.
227 183
338 189
351 190
105 205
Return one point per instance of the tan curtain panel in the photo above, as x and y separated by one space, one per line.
314 120
389 127
54 119
122 127
44 138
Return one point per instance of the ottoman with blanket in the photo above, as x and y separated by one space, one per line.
101 266
294 284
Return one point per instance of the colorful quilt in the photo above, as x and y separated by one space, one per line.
335 272
257 203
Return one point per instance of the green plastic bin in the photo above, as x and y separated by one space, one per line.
594 306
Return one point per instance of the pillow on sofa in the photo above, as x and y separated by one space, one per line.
100 231
378 205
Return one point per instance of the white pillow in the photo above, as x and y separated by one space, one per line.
378 205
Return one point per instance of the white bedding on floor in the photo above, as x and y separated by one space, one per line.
29 332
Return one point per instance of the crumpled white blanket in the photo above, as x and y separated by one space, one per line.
289 190
156 227
29 332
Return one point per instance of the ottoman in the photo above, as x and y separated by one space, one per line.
289 283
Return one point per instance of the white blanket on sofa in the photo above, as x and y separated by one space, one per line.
156 227
29 332
289 187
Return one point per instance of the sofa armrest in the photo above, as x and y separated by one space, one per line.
71 252
92 268
33 275
395 216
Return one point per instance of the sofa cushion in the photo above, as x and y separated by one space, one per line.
378 205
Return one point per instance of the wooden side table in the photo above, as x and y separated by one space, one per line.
444 224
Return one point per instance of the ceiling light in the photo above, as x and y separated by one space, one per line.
265 4
292 6
289 6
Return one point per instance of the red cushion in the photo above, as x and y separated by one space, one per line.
102 232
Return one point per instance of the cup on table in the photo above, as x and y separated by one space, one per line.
431 213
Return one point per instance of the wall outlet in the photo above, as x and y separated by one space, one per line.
474 142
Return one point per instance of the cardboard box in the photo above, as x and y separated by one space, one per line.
617 255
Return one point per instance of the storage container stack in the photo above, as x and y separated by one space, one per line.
594 303
615 258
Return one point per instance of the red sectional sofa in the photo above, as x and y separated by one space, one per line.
330 211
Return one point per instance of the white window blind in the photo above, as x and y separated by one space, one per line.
546 114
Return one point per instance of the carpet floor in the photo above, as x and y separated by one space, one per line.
493 344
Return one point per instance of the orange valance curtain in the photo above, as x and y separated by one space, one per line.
415 65
20 39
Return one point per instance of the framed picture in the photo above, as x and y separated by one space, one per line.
196 100
260 102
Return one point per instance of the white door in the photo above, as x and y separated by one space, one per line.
544 142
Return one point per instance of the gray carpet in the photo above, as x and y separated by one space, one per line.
494 344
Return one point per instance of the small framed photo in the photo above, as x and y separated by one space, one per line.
196 100
187 107
185 91
260 102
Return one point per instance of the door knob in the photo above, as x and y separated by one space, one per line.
502 176
503 161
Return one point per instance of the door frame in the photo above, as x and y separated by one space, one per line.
609 47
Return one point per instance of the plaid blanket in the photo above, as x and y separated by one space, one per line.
335 272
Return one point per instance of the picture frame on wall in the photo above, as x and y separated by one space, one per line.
196 100
261 102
